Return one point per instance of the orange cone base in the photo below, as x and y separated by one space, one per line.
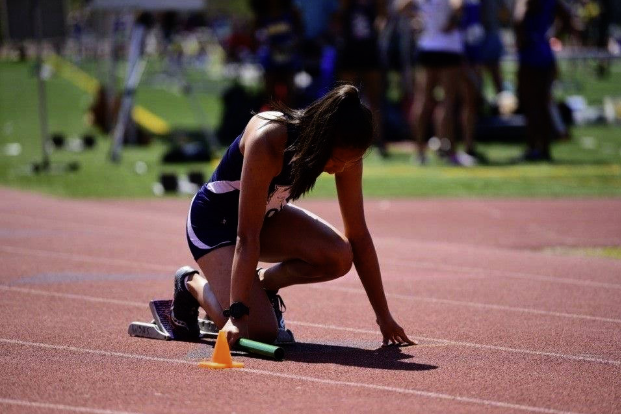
217 365
221 357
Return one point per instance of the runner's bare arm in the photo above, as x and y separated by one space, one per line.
262 162
349 189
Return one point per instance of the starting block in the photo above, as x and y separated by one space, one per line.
159 327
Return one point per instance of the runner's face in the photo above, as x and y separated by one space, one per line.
343 158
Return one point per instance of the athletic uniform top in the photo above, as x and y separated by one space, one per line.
213 216
473 30
222 189
434 38
535 49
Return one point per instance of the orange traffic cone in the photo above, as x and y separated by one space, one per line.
221 357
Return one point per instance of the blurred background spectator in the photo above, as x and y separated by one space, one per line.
278 29
318 48
494 14
422 65
439 77
537 70
471 98
358 23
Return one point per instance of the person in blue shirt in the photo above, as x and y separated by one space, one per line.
278 29
537 70
493 13
472 89
358 25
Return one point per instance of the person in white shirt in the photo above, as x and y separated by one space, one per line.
440 61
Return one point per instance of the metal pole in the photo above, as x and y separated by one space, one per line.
38 23
111 81
199 112
135 67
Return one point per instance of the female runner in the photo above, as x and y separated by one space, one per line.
243 216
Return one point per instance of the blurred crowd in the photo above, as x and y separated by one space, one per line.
442 52
429 69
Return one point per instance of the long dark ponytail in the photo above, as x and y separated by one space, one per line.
338 119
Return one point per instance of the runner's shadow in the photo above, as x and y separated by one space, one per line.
390 357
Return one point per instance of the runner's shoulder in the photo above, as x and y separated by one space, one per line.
271 136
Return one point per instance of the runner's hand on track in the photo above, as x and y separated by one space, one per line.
392 333
235 329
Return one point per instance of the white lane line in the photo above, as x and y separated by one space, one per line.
375 387
141 265
72 227
468 344
421 393
333 327
470 304
73 296
84 258
347 290
151 266
385 262
493 212
478 271
99 210
62 407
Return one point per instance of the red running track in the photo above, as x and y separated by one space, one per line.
503 325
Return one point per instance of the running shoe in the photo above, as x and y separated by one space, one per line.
184 309
285 336
279 307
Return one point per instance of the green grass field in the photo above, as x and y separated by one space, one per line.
587 165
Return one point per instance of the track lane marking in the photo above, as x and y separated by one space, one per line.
174 226
598 360
63 407
61 226
469 344
84 258
476 271
470 304
73 296
360 291
151 266
97 210
375 387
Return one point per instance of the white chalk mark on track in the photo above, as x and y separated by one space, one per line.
338 328
61 407
303 378
469 344
470 304
479 271
476 271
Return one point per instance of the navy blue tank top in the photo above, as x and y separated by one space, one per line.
222 189
536 50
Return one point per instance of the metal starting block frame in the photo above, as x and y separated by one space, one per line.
159 327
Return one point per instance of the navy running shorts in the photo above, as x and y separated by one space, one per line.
209 227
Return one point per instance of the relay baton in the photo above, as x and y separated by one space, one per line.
260 348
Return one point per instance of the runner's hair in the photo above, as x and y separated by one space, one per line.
337 120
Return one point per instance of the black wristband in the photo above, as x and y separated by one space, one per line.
236 311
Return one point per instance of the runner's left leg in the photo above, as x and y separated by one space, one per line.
306 248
